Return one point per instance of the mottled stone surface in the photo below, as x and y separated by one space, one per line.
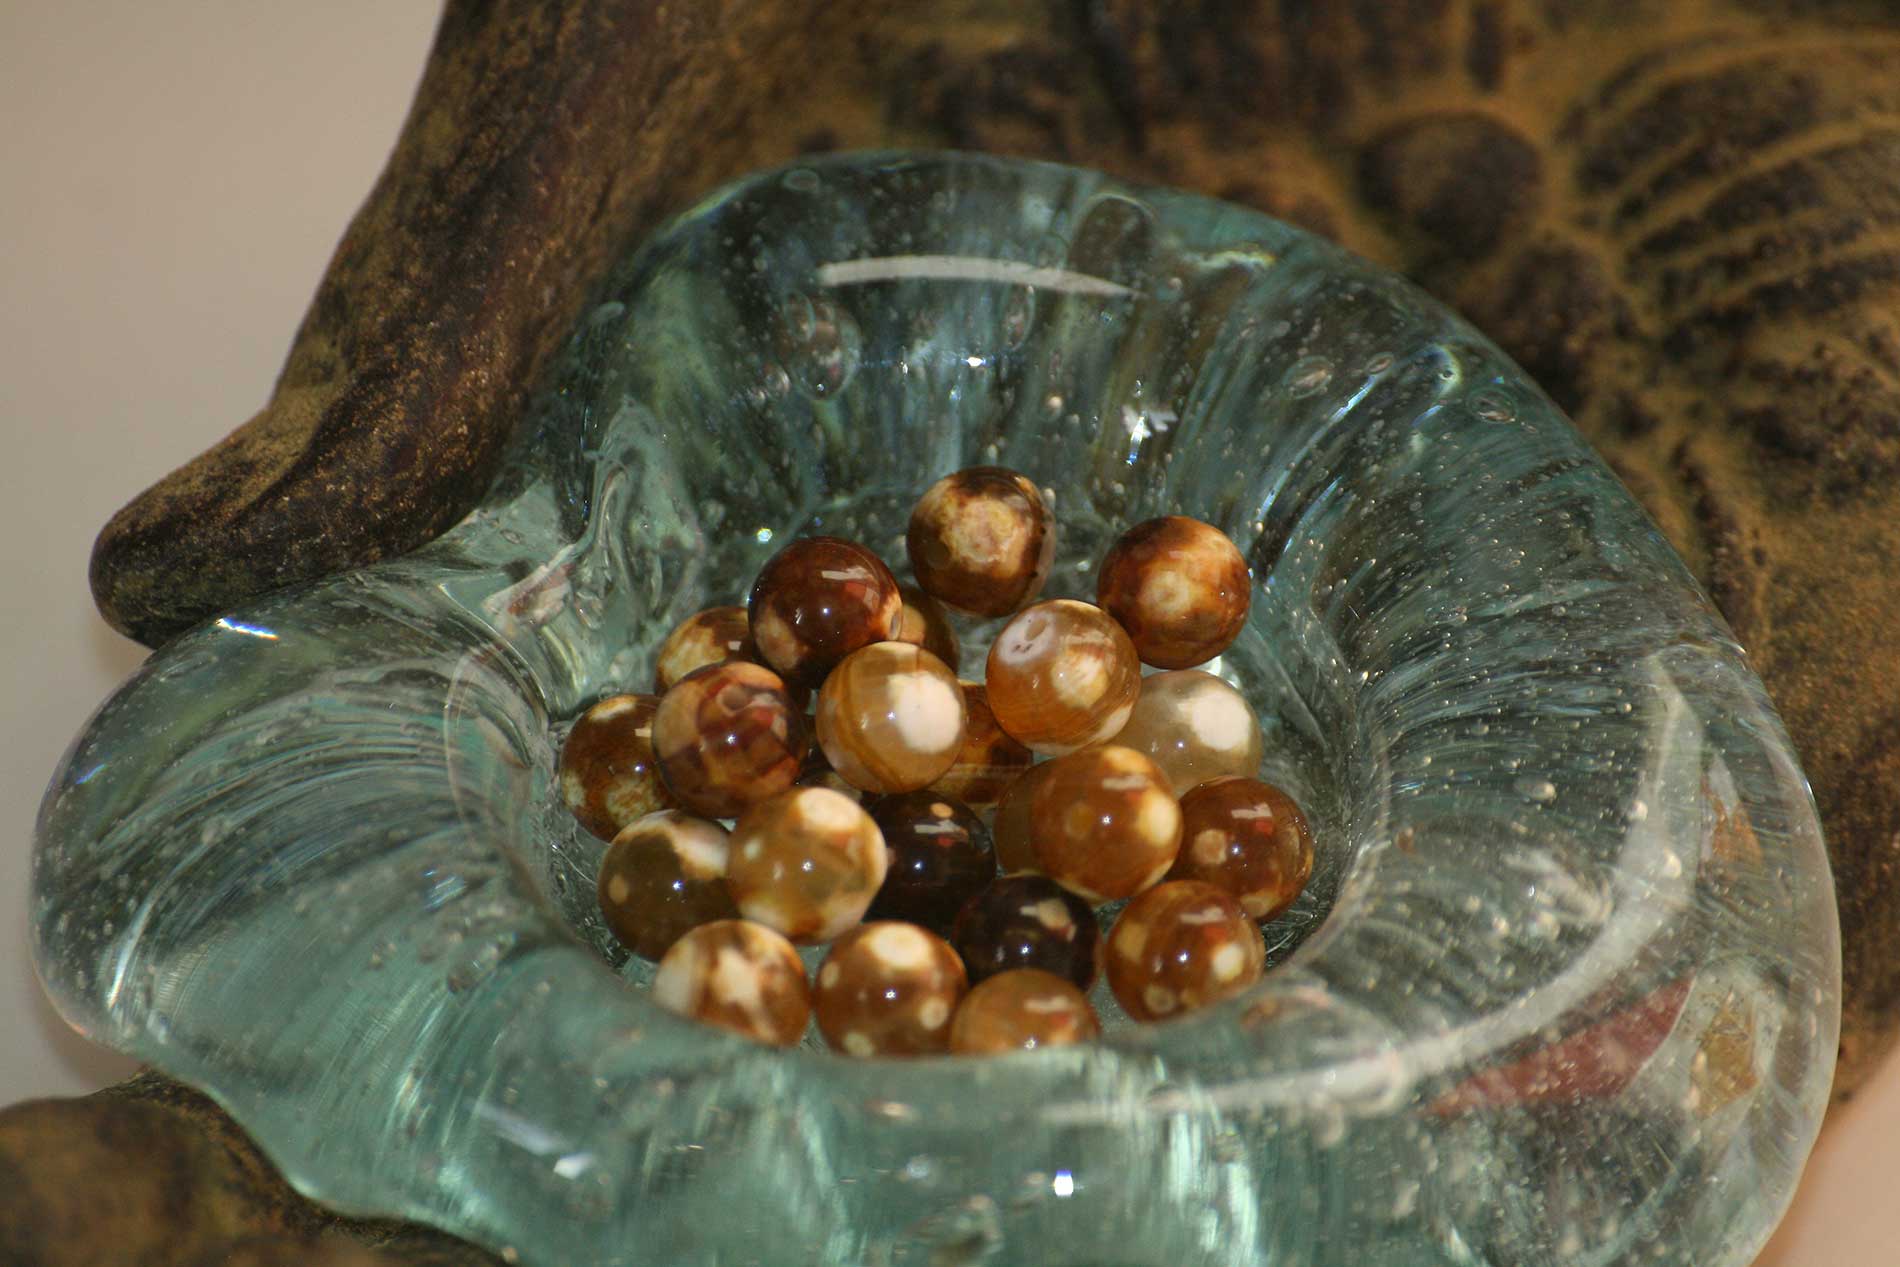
1683 218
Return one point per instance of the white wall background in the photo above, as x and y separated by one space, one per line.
172 181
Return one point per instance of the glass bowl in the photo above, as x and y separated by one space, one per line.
1564 989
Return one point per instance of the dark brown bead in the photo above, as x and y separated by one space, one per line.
728 736
1028 921
1104 823
609 776
662 876
712 636
1248 839
1010 827
1179 587
924 623
1180 946
989 760
818 600
939 858
982 540
888 989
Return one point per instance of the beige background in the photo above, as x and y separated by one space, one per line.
172 181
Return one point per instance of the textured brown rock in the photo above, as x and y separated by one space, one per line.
149 1174
1683 218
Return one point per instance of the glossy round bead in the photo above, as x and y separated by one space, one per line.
1028 921
1062 675
1010 827
1194 726
890 717
1180 946
818 600
1021 1011
664 874
739 976
924 623
989 759
806 862
1180 589
982 540
727 736
939 858
1104 823
888 989
817 772
712 636
609 776
1248 839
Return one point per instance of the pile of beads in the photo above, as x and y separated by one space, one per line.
742 826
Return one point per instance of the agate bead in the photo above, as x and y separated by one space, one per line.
890 717
1194 726
1248 839
818 600
1022 1010
939 857
739 976
888 989
727 736
982 540
1181 946
1028 921
1062 675
806 862
924 623
1179 587
663 875
817 772
1104 824
609 776
989 760
1011 828
712 636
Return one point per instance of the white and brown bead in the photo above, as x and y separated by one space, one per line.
1022 1010
728 735
1181 946
712 636
739 976
890 717
1194 726
663 875
982 540
888 989
1179 587
989 760
1104 824
609 776
806 862
1062 675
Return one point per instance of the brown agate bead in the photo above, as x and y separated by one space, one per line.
1021 1011
1104 824
982 540
727 736
1179 587
712 636
818 600
939 858
1062 675
924 623
888 989
989 760
817 772
1194 726
1248 839
1028 921
890 717
1011 827
1180 946
661 876
609 776
806 862
739 976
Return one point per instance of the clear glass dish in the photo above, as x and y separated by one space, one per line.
1564 989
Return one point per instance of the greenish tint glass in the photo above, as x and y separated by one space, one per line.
1564 989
